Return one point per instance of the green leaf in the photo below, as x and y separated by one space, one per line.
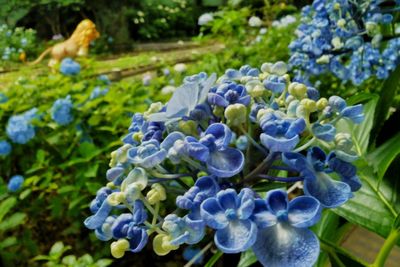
69 260
13 221
381 158
6 205
372 208
8 242
103 262
58 249
214 259
360 133
247 258
88 150
387 95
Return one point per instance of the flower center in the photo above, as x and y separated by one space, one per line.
282 215
231 214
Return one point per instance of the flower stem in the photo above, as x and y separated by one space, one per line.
384 252
198 255
156 210
306 145
254 142
282 179
260 168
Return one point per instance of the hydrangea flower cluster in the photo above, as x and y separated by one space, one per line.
284 21
19 127
61 111
205 18
69 67
346 38
15 183
188 170
5 148
255 21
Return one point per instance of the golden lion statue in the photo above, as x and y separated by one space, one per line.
76 45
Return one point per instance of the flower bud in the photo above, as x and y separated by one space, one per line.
255 88
154 108
322 103
162 245
298 90
343 141
119 247
236 114
309 104
188 127
323 59
337 43
116 198
341 23
156 194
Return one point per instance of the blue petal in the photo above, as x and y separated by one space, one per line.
114 173
138 239
324 132
304 211
222 134
275 87
329 192
246 205
279 144
337 103
197 150
215 99
170 140
228 199
295 160
355 113
277 201
238 236
225 163
97 220
196 230
120 226
261 216
282 246
213 214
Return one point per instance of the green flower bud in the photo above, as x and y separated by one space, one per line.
336 6
323 59
341 23
255 88
218 111
156 194
188 127
298 90
119 247
301 111
322 103
162 245
154 108
236 114
137 136
116 198
372 28
119 155
337 43
309 104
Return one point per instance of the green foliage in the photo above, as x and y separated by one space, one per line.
56 258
